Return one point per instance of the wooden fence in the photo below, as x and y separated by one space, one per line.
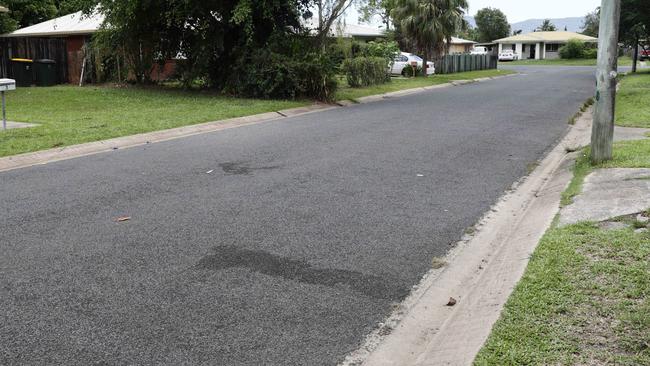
35 49
451 64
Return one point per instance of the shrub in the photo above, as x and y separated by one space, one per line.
591 53
573 49
383 49
358 49
267 74
366 71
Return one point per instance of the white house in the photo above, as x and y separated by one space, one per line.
540 45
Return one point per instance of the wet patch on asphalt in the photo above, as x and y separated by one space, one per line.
225 257
242 168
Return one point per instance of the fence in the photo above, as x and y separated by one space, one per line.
451 64
34 48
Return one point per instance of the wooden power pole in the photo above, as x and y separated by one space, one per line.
602 135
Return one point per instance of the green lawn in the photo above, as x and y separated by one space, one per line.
633 100
399 83
71 115
584 300
623 61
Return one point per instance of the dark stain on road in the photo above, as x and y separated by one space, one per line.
272 265
242 168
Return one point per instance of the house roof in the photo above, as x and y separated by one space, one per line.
356 30
71 24
347 30
456 40
80 24
559 36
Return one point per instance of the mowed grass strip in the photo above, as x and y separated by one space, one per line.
584 300
633 100
400 83
70 115
627 154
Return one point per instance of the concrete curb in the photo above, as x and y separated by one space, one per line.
400 93
480 273
90 148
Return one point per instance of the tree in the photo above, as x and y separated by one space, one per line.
546 26
492 24
65 7
212 35
430 23
25 13
591 23
470 33
328 12
368 9
634 25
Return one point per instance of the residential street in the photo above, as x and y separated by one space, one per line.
282 243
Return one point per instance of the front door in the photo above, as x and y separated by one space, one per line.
532 51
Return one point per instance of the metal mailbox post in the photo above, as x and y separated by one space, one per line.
6 85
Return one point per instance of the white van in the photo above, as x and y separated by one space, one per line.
479 50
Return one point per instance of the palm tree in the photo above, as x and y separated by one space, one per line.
547 26
429 23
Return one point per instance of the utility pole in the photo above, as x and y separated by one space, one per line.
602 135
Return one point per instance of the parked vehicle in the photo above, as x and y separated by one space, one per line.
644 55
508 55
406 60
479 50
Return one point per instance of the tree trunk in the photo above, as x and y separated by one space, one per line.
636 54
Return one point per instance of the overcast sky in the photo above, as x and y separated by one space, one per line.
519 10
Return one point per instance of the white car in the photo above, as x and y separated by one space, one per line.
508 55
407 60
479 50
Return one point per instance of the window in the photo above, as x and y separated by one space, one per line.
552 47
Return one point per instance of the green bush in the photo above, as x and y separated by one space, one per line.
575 48
366 71
591 53
384 49
267 74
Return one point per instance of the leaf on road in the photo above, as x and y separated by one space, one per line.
452 302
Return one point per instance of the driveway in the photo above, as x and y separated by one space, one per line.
282 243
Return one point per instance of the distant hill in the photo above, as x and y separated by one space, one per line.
572 24
471 21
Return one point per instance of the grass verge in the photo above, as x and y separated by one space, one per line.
633 100
585 296
397 84
584 299
627 154
622 61
70 115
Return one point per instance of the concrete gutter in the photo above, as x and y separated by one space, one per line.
480 273
90 148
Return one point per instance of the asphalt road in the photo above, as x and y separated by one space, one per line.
301 239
